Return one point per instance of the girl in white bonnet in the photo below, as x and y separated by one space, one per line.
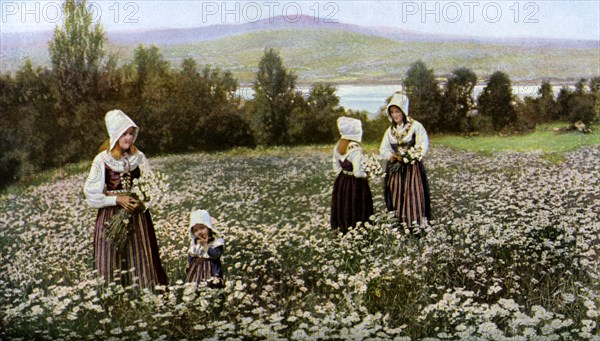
351 200
204 253
118 163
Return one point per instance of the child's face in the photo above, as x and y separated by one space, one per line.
201 233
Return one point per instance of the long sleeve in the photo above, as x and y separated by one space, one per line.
94 186
355 157
421 138
336 164
215 250
385 149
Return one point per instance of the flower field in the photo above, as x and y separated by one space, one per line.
512 254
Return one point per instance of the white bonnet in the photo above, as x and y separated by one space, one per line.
350 128
116 124
201 217
399 100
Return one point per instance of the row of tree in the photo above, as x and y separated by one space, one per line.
53 116
453 108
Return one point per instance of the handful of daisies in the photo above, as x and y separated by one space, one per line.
410 155
372 166
148 187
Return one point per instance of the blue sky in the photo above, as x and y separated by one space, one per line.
545 19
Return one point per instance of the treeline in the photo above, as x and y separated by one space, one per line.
53 116
453 108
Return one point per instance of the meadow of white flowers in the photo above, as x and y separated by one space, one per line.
512 254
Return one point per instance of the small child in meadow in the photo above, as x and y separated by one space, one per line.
204 254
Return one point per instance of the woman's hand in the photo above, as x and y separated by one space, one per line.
128 203
394 158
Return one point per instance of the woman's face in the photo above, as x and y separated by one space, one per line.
126 140
397 114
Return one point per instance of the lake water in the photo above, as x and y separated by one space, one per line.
372 97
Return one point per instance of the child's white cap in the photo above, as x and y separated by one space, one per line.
200 217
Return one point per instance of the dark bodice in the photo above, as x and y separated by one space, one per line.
346 165
112 179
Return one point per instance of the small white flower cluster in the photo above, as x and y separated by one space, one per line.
372 166
410 155
151 186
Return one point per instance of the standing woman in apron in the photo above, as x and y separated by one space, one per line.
113 171
404 144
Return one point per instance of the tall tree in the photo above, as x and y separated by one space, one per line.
458 101
316 122
424 95
149 85
562 101
274 99
497 101
76 52
581 104
148 76
546 106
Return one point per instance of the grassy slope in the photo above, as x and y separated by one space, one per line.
544 140
344 57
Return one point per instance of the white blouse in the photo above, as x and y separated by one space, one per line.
353 154
95 184
417 129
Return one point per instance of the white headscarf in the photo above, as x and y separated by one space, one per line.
201 217
117 123
350 128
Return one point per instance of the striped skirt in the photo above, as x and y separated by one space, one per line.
139 262
351 202
407 193
200 271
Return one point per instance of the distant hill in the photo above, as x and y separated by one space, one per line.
345 53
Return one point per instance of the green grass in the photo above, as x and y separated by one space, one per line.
552 144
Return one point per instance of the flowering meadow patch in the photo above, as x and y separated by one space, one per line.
511 254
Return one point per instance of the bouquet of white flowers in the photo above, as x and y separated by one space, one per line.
410 155
118 229
372 166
